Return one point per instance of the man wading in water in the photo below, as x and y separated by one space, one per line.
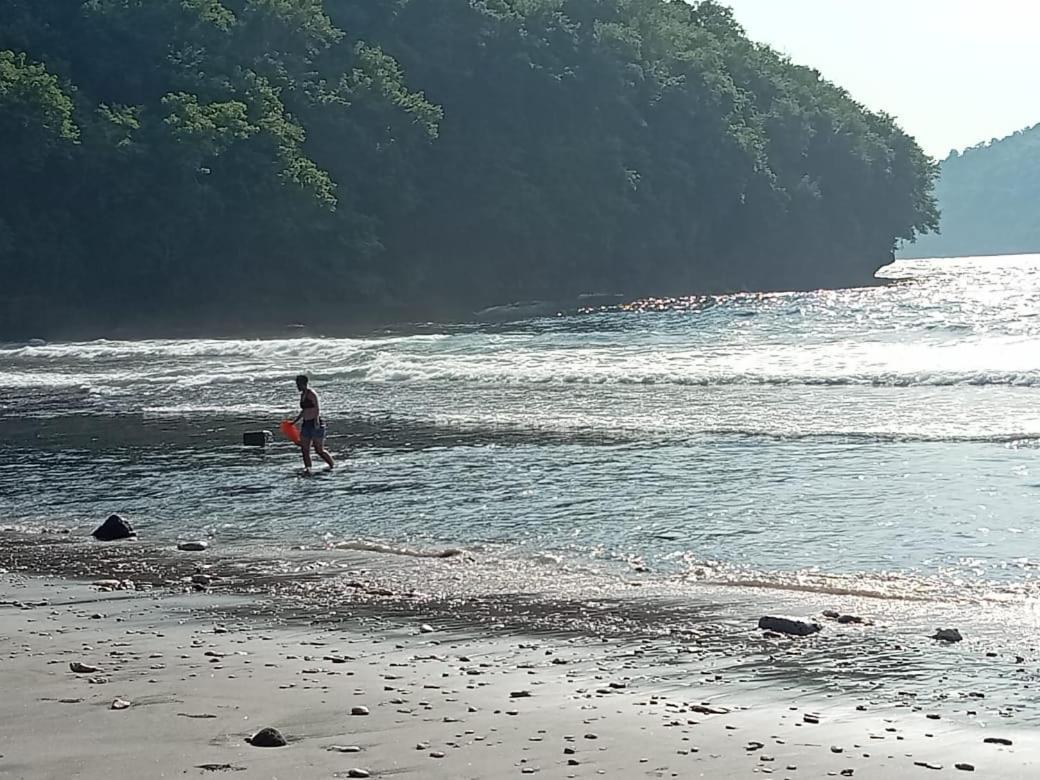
313 428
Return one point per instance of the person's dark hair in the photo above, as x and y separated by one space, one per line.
301 380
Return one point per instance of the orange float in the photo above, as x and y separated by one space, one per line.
289 431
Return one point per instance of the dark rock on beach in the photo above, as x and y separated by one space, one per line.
267 737
193 546
947 635
113 529
789 626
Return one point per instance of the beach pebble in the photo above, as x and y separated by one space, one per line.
927 765
343 749
997 741
519 694
267 737
436 754
359 710
358 773
965 767
810 718
426 628
194 546
947 635
789 626
79 668
120 704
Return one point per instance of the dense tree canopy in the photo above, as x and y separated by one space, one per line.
171 160
988 197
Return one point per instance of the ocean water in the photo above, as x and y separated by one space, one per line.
881 441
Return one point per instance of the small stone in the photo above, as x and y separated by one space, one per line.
947 635
436 754
194 546
927 765
997 741
79 668
120 704
836 749
358 773
426 628
789 626
810 718
267 737
359 711
113 529
520 695
343 749
965 767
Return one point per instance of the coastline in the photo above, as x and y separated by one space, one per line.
203 666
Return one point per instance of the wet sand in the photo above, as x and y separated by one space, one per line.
201 672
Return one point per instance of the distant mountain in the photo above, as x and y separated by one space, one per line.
989 197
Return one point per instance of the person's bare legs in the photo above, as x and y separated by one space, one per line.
319 447
305 450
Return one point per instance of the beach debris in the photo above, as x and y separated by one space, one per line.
343 749
927 765
97 680
997 741
113 529
947 635
426 628
436 754
811 718
201 579
705 709
519 694
789 626
267 737
193 546
752 746
79 668
965 767
836 749
120 704
220 768
359 710
358 773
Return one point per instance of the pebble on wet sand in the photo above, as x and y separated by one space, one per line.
267 737
359 710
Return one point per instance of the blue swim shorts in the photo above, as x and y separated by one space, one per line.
311 430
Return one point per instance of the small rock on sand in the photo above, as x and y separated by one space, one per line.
997 741
267 737
343 749
947 635
194 546
79 668
426 628
359 710
964 767
358 773
120 704
789 626
114 528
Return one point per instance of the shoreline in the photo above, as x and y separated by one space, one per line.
202 672
433 671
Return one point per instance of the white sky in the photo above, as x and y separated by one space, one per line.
953 72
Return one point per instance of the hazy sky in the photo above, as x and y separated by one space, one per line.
953 72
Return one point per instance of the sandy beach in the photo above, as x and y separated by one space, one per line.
174 683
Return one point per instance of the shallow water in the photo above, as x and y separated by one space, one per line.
881 441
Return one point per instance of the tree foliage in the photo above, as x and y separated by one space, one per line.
173 159
988 196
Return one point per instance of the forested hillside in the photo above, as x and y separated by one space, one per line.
989 197
249 162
